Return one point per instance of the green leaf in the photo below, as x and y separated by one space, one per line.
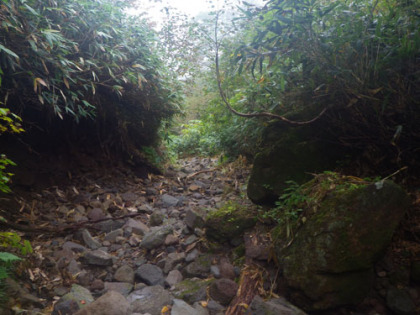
8 51
8 257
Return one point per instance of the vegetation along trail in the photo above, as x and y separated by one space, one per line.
255 157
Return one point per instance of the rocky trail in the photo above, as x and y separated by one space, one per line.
111 242
129 245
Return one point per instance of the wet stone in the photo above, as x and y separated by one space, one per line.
223 290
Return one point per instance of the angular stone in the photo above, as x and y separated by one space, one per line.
199 268
89 240
156 237
170 201
174 277
112 236
137 226
150 274
194 219
223 290
124 288
98 257
124 274
172 260
180 307
73 268
191 290
68 307
80 295
149 300
111 303
272 307
96 214
156 219
171 240
77 248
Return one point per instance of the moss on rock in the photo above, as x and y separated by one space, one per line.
229 221
329 259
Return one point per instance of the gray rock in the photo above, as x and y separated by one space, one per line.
172 260
112 236
109 225
194 219
170 201
399 300
145 208
156 237
123 288
190 239
156 219
77 248
137 226
150 274
89 240
74 268
96 214
215 271
272 307
149 300
182 308
129 196
223 290
199 268
68 307
111 303
330 261
174 277
192 255
191 290
99 258
124 274
78 294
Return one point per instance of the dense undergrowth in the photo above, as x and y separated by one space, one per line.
359 60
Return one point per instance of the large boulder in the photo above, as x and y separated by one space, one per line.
289 154
328 259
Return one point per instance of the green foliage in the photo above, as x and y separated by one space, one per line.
9 122
360 59
13 240
290 204
196 138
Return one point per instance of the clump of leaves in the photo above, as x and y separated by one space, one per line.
298 201
6 265
290 204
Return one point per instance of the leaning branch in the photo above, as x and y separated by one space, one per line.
257 114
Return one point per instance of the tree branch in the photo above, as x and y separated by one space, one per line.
256 114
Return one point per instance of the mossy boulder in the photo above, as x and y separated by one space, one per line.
328 259
230 221
192 290
289 154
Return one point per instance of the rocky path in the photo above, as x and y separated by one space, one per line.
144 249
